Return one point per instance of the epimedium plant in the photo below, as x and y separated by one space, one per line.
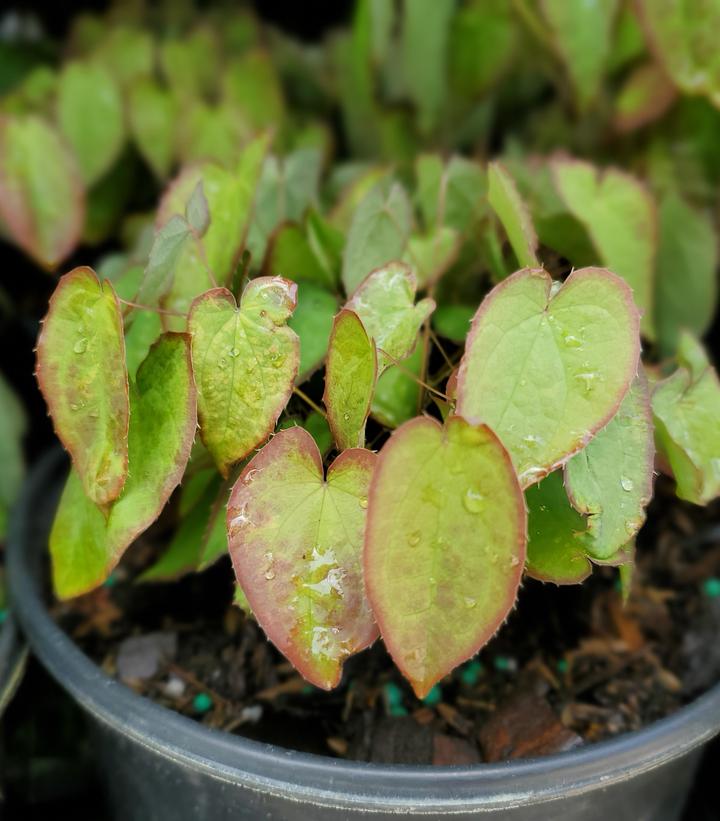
523 443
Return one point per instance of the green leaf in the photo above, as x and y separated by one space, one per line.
583 37
423 55
90 116
682 36
209 133
513 214
196 211
84 545
453 321
611 479
378 234
444 545
556 534
432 254
620 217
164 255
317 426
252 86
350 376
128 53
290 254
450 194
245 360
645 96
312 322
296 543
191 65
547 366
42 203
362 179
385 303
686 409
327 244
396 393
686 271
483 40
12 429
287 188
144 331
152 114
81 372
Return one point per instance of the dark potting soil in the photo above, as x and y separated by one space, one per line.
572 664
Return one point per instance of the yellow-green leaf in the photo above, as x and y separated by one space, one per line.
513 214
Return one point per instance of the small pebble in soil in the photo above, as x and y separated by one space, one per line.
433 697
202 703
505 664
174 687
711 587
471 672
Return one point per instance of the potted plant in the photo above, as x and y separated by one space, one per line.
391 405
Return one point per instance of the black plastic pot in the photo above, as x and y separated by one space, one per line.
157 764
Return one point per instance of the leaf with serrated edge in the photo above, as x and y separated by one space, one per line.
245 360
84 546
296 544
513 213
686 409
385 303
444 545
620 216
611 479
42 201
556 550
546 368
350 376
82 375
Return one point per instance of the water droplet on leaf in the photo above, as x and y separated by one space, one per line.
81 345
473 500
414 538
626 484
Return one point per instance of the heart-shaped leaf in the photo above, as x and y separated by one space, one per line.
432 254
91 118
152 113
42 202
644 97
82 375
546 366
350 376
444 546
686 408
451 193
385 303
611 479
84 545
379 231
556 550
621 218
296 540
245 360
513 214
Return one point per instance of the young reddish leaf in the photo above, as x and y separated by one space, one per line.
547 366
84 545
90 115
350 376
556 550
379 231
611 479
686 409
82 375
385 303
42 202
444 546
621 218
644 97
513 214
296 545
245 360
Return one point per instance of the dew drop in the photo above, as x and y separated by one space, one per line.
222 362
81 345
626 484
363 502
555 287
469 602
414 538
74 406
473 500
346 417
572 341
233 352
514 562
588 379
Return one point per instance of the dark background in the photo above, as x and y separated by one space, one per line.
45 763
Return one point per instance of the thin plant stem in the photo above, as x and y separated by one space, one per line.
310 402
439 346
162 311
413 376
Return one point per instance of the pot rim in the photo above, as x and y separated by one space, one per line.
311 778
